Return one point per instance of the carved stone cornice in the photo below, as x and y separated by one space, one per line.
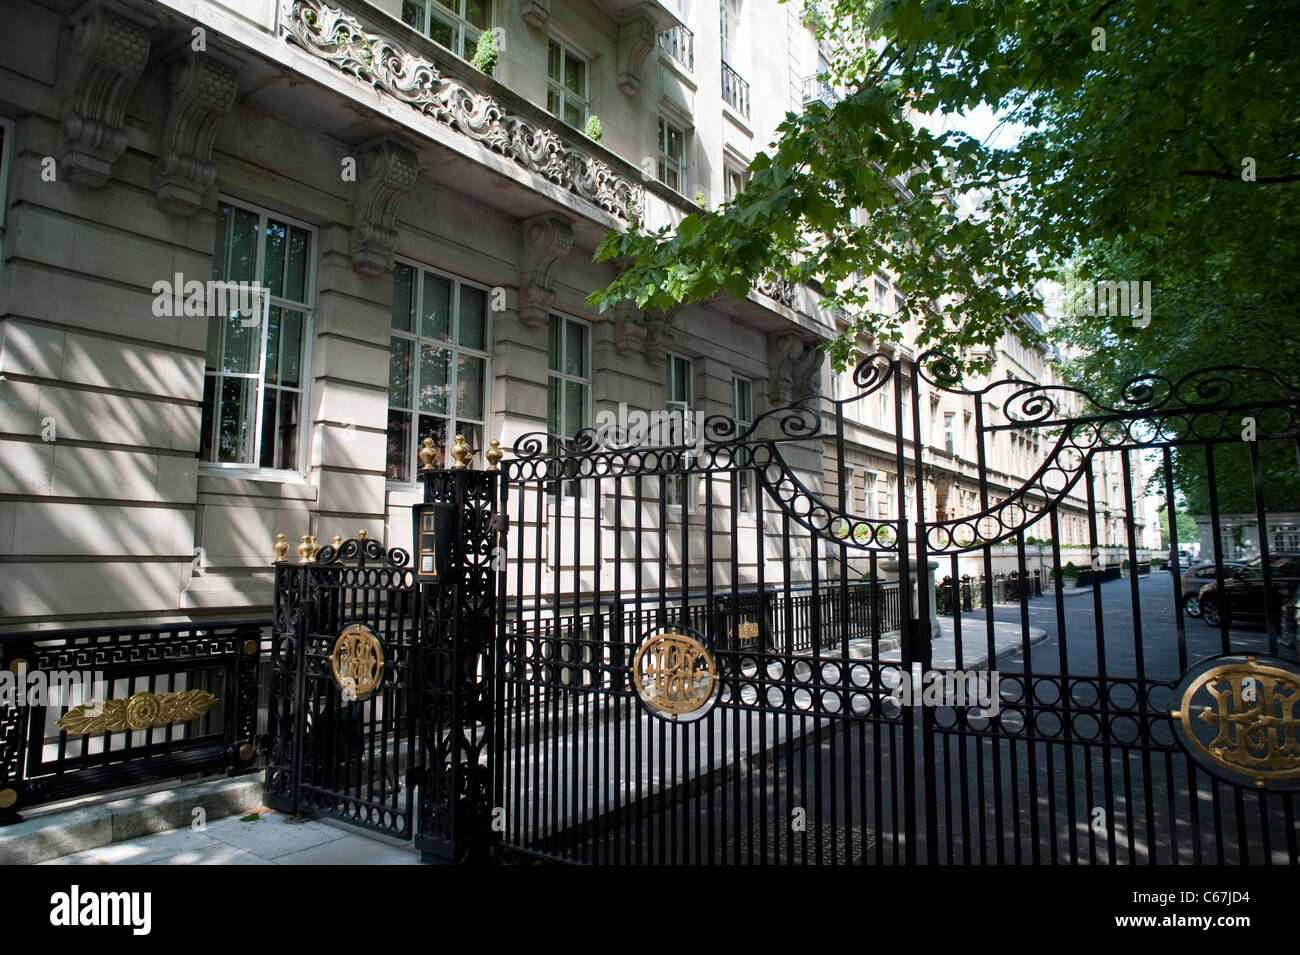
636 38
659 330
388 169
201 89
629 329
792 361
536 13
108 52
374 59
546 240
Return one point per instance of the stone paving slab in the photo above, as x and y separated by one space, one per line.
270 840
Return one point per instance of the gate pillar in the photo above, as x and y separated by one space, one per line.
457 628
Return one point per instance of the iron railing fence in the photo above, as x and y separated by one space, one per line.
96 709
679 43
735 91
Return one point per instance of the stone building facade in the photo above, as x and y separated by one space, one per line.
411 241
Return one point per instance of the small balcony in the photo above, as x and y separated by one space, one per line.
819 91
679 43
735 91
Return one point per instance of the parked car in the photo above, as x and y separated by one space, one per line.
1244 591
1197 576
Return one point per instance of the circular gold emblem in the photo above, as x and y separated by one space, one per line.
358 662
1239 717
674 674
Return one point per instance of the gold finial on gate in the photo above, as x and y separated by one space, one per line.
337 541
304 549
427 454
281 547
494 454
461 452
315 549
361 534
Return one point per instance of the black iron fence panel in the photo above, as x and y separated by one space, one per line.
344 699
96 709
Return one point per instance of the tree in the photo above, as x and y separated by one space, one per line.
1142 117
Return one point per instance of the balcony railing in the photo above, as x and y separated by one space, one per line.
679 43
819 91
735 91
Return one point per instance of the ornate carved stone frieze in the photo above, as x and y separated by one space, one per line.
109 49
341 40
636 38
776 287
629 328
659 329
546 240
388 169
201 89
792 362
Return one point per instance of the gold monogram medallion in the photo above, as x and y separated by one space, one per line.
1239 718
358 662
675 675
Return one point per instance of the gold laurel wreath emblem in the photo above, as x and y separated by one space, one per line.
140 711
358 662
674 674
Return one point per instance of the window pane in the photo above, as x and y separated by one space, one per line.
220 242
399 374
241 354
473 312
413 14
575 359
436 320
399 445
553 423
433 379
435 428
552 101
273 270
403 297
214 342
554 331
280 430
236 253
205 421
553 61
575 406
469 386
291 323
442 32
273 346
235 421
295 273
476 12
672 180
575 74
573 114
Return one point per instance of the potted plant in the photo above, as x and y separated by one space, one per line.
594 129
485 54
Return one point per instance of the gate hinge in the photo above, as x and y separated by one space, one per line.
500 523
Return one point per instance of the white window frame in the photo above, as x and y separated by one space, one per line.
453 371
567 95
734 179
663 131
870 505
308 308
950 432
685 408
733 34
846 492
748 476
563 378
463 26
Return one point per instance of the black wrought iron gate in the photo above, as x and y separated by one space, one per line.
679 641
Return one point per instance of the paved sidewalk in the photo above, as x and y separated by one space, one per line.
270 840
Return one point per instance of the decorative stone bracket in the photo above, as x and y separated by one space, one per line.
629 329
659 329
109 50
536 13
636 38
200 91
546 240
792 361
388 170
